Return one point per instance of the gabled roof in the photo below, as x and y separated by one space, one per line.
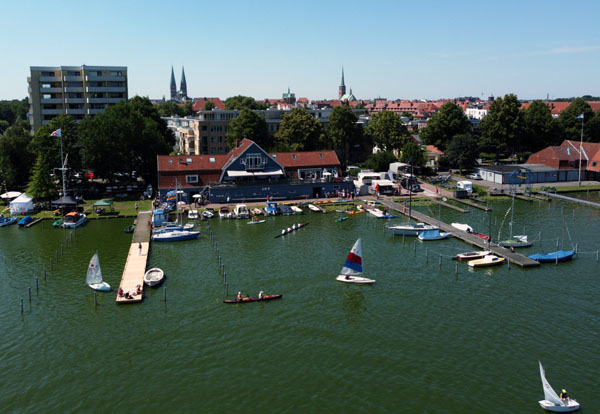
198 162
307 158
200 102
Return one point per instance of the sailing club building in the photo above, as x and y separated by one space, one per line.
249 173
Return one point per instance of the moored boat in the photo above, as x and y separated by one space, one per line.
489 260
253 299
240 211
558 256
516 241
411 229
296 209
8 221
192 214
462 227
25 220
74 220
175 235
472 255
257 211
206 214
225 212
432 235
154 276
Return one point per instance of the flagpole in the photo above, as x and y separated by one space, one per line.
62 168
580 149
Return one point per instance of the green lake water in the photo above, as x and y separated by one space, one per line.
423 339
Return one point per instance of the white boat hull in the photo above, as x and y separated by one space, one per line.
410 229
154 276
489 260
570 405
354 279
102 286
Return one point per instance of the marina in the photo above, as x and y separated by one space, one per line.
427 325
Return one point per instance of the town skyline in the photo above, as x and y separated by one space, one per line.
393 51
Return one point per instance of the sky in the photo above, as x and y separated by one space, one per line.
389 49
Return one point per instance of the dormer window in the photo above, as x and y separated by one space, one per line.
188 160
293 156
320 155
170 161
211 159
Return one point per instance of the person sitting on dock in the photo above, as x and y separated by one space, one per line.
120 292
138 290
128 295
563 395
261 294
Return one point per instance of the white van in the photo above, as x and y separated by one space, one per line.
465 185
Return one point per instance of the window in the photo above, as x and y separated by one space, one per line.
116 73
47 73
73 73
75 84
191 179
320 155
46 85
188 160
211 159
254 161
594 163
213 139
293 156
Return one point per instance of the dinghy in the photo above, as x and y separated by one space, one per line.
154 276
192 214
489 260
314 208
432 235
472 255
94 275
559 256
462 227
553 402
352 270
296 209
253 299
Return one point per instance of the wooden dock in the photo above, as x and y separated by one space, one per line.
471 204
137 259
34 222
572 199
471 239
436 200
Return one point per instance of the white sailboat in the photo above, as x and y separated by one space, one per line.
352 270
94 275
553 402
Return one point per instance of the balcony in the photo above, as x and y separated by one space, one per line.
74 100
50 90
95 111
49 78
52 111
75 111
90 89
74 89
51 100
72 78
92 78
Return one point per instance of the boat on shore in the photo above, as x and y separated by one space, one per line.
192 214
489 260
7 221
154 276
257 211
352 271
25 220
462 227
225 212
253 299
552 402
558 256
296 209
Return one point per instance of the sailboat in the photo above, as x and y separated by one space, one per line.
553 402
94 275
514 241
558 256
352 270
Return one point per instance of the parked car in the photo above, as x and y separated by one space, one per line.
474 176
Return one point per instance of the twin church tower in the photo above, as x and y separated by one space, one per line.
181 94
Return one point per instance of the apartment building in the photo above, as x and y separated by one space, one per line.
78 91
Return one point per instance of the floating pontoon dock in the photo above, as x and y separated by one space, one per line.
572 199
135 266
517 258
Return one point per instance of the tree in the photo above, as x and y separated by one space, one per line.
15 158
343 132
502 128
449 121
187 109
299 131
3 126
240 102
42 186
462 152
408 115
413 154
381 160
170 108
14 110
251 125
387 131
209 105
539 128
43 143
571 125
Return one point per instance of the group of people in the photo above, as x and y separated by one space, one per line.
128 295
241 297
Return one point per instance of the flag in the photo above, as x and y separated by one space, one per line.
56 133
580 117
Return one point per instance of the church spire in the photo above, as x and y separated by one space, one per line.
183 87
173 85
342 88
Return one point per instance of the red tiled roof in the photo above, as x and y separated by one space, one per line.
433 149
307 159
200 102
199 162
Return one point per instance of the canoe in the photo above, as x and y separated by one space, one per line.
256 222
341 218
253 299
129 229
559 256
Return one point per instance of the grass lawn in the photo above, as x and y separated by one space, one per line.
119 209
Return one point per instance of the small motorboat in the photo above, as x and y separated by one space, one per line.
432 235
25 220
257 211
175 235
296 209
489 260
253 299
154 276
225 212
462 227
559 256
472 255
241 211
206 214
74 220
129 229
192 214
271 208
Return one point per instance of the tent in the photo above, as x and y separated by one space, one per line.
66 201
21 204
10 194
104 203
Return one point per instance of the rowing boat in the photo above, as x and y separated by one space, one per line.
253 299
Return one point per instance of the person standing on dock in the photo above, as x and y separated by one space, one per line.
139 249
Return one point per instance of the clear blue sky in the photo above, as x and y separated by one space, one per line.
391 49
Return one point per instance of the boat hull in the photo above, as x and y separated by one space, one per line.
154 277
515 243
256 222
432 235
472 255
410 229
354 279
489 260
175 236
560 256
253 299
102 286
570 406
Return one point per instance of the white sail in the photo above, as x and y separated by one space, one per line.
549 393
353 264
94 273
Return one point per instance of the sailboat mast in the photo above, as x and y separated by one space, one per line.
512 215
410 192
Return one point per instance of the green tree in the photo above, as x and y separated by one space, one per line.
299 131
14 110
502 129
539 129
209 105
43 143
387 131
571 125
170 108
187 109
343 132
449 121
3 126
380 161
251 125
408 115
42 186
593 128
240 102
413 154
15 158
462 152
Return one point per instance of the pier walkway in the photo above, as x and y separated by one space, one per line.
135 266
470 203
436 200
514 257
572 199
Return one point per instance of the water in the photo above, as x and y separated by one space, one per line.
422 339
